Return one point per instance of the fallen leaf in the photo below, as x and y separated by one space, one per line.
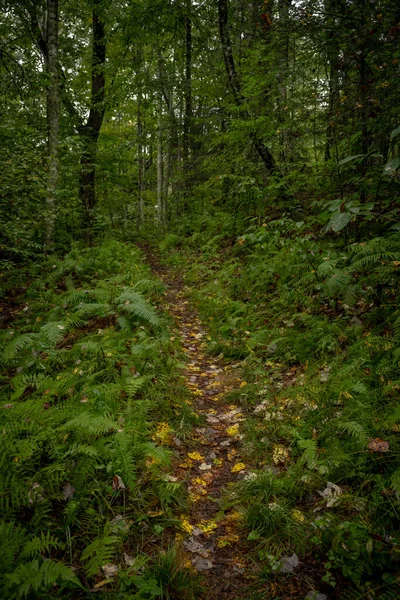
109 570
186 526
289 563
232 430
238 467
192 545
331 493
129 560
101 583
195 456
378 445
68 491
207 526
117 483
204 467
202 564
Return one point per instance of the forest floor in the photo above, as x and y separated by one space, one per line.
210 459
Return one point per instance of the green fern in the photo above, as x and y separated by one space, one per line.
40 544
99 553
16 345
354 429
134 304
38 575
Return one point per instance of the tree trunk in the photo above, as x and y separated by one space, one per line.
160 187
187 120
333 66
263 151
91 130
140 163
53 118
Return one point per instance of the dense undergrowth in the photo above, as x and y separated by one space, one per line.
314 324
89 380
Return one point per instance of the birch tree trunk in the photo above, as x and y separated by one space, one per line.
53 118
160 187
140 163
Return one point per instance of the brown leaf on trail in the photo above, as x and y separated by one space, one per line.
192 545
202 564
117 483
378 445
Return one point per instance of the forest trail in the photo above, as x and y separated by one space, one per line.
211 459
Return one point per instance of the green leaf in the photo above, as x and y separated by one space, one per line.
339 221
253 535
351 159
395 133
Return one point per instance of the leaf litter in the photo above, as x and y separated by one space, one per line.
210 460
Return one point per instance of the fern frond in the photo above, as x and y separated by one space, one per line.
354 429
134 385
39 575
98 553
37 545
134 304
53 332
16 345
91 424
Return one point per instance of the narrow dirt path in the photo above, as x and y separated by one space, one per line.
211 459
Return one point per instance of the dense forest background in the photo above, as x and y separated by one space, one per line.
254 147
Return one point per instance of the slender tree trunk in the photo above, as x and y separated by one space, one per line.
160 187
91 130
140 211
53 118
333 65
187 120
263 151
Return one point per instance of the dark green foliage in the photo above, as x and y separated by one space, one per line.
78 413
317 326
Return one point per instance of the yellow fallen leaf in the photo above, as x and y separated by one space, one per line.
186 526
207 526
232 430
298 515
217 462
195 456
199 481
280 454
238 467
233 516
187 464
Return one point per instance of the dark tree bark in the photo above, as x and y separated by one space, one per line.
53 118
187 120
234 82
91 130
